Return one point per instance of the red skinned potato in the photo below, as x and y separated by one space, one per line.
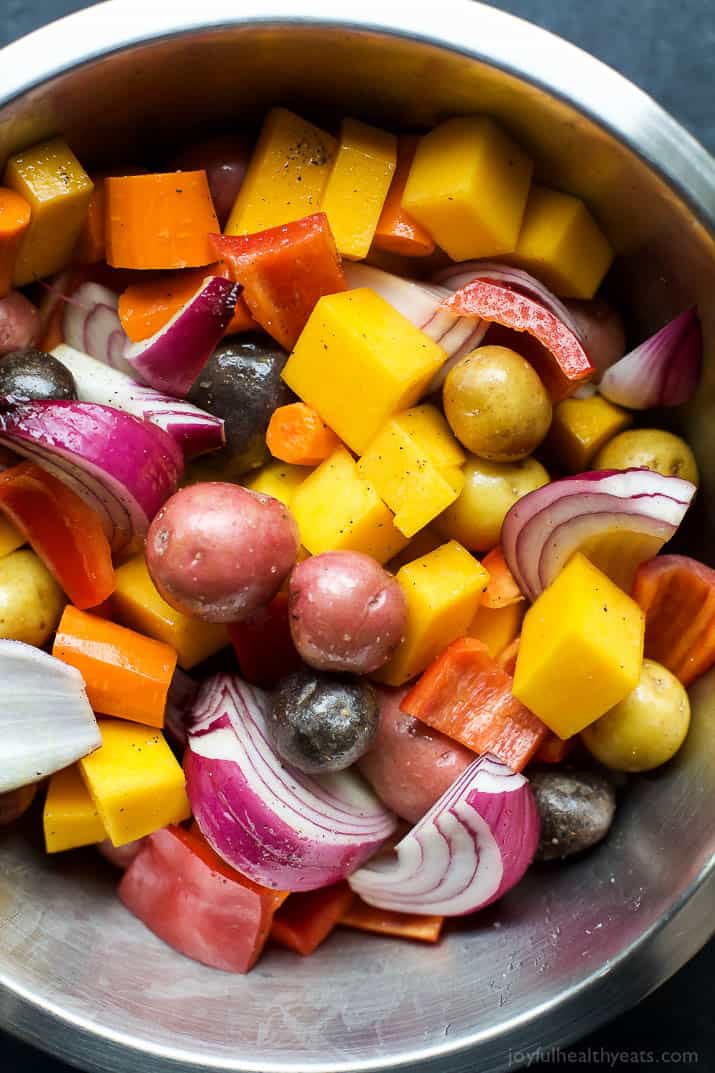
224 160
602 331
219 552
346 612
19 322
410 765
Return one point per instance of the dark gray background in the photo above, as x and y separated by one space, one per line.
667 47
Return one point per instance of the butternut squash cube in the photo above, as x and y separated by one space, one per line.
135 781
580 428
468 186
286 175
414 463
358 361
581 649
561 244
278 479
70 818
137 604
358 185
497 627
58 190
337 510
443 590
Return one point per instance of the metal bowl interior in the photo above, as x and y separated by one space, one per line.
573 945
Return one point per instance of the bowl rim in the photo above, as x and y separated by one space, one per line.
566 72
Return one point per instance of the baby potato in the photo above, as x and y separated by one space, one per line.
653 448
496 404
646 728
576 810
490 490
31 601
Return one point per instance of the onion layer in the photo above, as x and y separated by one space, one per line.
472 847
91 324
281 828
662 371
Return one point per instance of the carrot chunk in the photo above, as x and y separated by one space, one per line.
308 918
14 221
297 433
366 917
397 231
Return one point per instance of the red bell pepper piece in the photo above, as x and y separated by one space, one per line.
65 532
364 917
561 361
678 596
191 899
308 918
284 271
466 695
263 644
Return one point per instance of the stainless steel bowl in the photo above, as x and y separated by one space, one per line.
573 945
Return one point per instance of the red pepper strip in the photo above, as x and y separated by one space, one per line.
263 644
678 596
466 695
308 918
66 534
366 917
284 271
564 363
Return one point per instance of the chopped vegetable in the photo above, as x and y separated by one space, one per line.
284 829
20 323
468 186
306 920
496 627
32 374
10 538
136 603
396 230
145 307
127 675
65 533
14 222
159 221
122 467
45 718
179 702
580 428
90 324
297 434
191 899
553 749
576 810
357 346
649 448
472 847
278 479
561 243
502 589
263 644
120 856
662 371
507 658
31 601
135 781
224 159
618 519
443 590
581 649
172 358
55 185
92 242
677 595
364 917
70 818
283 272
466 695
562 362
286 175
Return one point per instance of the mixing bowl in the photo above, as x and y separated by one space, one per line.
573 945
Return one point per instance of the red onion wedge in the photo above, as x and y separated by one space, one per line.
91 324
420 303
172 358
617 518
662 371
122 467
280 828
46 722
195 431
472 846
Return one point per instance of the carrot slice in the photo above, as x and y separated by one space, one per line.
66 533
91 244
308 918
397 231
502 589
297 433
364 917
126 674
466 695
159 221
678 596
14 221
